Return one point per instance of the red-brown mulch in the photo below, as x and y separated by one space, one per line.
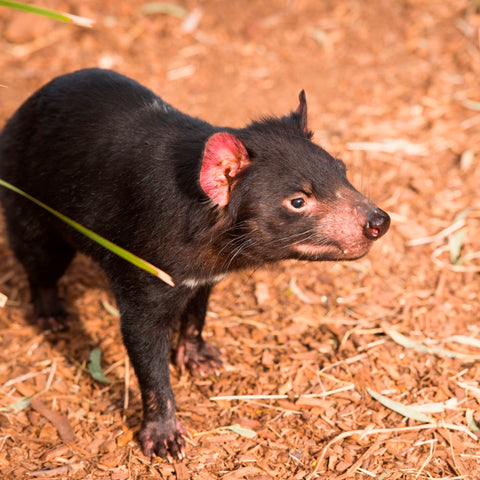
393 89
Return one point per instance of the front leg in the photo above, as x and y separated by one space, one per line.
193 352
147 314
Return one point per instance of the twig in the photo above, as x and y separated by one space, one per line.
350 386
348 361
22 378
51 375
427 460
457 225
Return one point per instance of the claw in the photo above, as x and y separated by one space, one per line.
163 439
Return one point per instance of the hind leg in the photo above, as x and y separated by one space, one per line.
48 311
193 352
45 257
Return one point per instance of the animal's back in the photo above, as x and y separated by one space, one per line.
69 118
86 144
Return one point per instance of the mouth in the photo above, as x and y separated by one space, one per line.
331 251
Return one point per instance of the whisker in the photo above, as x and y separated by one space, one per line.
235 242
241 247
242 239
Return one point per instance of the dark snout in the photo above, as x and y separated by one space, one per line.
377 224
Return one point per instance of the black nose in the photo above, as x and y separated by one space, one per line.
377 224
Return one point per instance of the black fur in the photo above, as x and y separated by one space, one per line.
110 154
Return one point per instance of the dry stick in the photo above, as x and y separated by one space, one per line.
24 377
51 375
348 361
52 369
283 397
450 442
364 433
427 460
46 40
438 236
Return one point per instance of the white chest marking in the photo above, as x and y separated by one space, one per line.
201 282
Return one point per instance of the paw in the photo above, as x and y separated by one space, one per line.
54 323
163 439
198 357
48 311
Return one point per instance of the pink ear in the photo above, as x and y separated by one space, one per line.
224 157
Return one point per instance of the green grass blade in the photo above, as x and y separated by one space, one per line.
121 252
47 12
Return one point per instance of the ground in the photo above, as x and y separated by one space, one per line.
392 89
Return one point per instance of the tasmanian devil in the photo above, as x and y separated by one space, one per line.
196 200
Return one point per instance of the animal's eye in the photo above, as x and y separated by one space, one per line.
297 202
